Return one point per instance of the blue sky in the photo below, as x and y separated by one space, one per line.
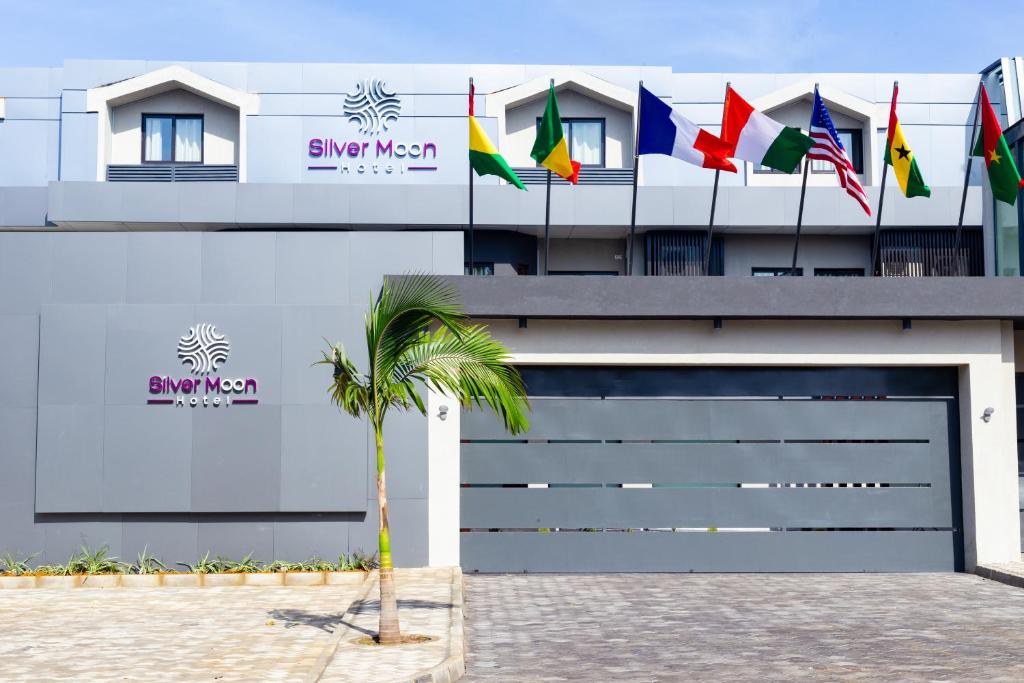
727 35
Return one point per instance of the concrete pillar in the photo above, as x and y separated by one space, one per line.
442 481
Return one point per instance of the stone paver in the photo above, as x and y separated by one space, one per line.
424 608
197 634
659 627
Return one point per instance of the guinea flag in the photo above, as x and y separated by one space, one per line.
902 160
550 148
752 136
1003 177
484 157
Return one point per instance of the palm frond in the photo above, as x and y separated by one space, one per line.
472 367
349 389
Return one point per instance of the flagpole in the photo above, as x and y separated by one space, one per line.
471 254
967 178
636 167
803 192
714 199
547 212
881 191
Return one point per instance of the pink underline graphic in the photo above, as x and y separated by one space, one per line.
321 168
423 168
160 401
248 401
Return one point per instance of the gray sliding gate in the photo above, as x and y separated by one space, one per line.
767 481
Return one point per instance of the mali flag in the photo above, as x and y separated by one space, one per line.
1003 177
550 148
902 160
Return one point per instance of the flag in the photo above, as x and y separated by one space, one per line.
483 156
662 130
1003 177
752 136
902 160
550 149
828 147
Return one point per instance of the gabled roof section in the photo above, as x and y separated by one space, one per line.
164 80
571 79
835 99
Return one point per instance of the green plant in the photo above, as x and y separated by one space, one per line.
204 565
89 561
457 358
246 565
13 566
356 561
147 564
54 569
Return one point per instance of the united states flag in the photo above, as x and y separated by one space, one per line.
828 147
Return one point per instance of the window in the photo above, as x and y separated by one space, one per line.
773 272
852 142
839 272
851 139
585 138
479 268
172 138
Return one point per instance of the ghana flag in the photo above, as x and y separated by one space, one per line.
550 148
1003 177
902 160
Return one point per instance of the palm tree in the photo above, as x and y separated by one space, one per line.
418 335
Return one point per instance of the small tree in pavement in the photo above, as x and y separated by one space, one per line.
418 335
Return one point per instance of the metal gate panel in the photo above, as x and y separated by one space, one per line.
723 484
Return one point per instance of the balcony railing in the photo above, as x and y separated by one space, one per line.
588 176
172 173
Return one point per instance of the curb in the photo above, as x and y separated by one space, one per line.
1000 575
218 580
454 666
327 653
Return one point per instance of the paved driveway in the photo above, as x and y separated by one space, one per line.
664 627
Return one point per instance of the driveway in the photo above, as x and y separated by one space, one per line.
671 627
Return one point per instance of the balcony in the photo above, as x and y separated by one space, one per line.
588 176
172 173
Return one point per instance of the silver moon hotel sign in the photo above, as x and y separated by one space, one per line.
202 349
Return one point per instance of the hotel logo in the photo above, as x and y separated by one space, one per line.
372 107
203 349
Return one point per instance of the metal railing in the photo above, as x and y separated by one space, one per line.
172 173
588 176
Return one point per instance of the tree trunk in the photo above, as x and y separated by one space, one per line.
389 632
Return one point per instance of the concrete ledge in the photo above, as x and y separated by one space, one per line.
454 666
751 298
1012 573
223 580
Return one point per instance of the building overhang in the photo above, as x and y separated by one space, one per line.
749 298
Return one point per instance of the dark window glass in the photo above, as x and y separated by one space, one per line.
839 272
479 269
773 272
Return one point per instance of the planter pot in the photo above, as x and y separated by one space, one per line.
141 580
264 579
58 581
345 578
304 578
182 580
17 582
220 580
100 581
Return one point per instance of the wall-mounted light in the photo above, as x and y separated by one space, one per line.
987 415
442 412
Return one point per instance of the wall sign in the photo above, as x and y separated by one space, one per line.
202 349
371 109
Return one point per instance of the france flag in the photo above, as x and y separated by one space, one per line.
665 131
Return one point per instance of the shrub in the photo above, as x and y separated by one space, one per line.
204 565
13 566
89 561
146 564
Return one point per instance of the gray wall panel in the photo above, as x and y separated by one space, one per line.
164 268
171 539
72 355
142 342
708 552
321 464
17 455
312 268
63 538
25 281
69 459
238 268
146 463
90 271
19 351
236 459
234 537
19 534
299 539
305 329
255 336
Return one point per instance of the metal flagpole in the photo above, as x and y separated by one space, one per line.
711 220
881 191
967 178
800 211
472 261
636 166
547 216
